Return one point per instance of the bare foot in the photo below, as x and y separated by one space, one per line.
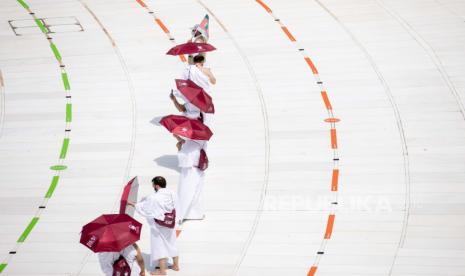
158 272
175 267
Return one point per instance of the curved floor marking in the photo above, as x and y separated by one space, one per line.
131 89
2 103
430 51
172 39
264 111
333 139
132 97
400 126
65 144
161 25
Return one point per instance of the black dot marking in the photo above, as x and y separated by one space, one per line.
336 159
151 12
319 82
301 49
320 253
171 39
67 130
12 252
335 203
41 207
32 13
62 66
68 97
49 38
276 20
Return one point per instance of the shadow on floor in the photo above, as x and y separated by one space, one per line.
168 161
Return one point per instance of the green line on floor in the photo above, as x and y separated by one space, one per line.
26 7
41 25
52 187
55 51
2 267
64 76
58 167
69 113
28 229
64 148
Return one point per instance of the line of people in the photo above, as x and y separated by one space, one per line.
165 210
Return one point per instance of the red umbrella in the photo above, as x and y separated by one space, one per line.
196 95
129 194
110 233
190 48
185 127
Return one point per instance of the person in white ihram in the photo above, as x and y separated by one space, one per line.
163 238
190 181
201 76
131 253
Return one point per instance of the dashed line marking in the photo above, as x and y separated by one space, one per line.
329 226
288 33
65 145
334 180
333 138
324 95
64 148
52 187
28 229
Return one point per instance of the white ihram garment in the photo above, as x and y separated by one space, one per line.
194 74
107 259
190 182
163 239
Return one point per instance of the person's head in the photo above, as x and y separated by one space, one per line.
158 182
200 39
199 59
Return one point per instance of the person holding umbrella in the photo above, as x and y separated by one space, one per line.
113 236
199 74
197 101
159 209
132 253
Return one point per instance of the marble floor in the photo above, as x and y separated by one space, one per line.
338 146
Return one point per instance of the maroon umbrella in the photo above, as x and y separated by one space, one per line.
190 48
129 194
110 233
196 95
185 127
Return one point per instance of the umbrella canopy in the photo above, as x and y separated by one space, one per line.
110 233
190 48
185 127
195 95
129 194
202 28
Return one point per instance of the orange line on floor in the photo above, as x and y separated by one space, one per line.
312 66
334 180
324 95
162 26
264 6
312 271
141 3
333 138
178 232
329 227
286 31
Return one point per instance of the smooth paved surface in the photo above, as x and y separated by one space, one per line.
393 71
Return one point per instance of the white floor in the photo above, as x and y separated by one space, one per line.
394 71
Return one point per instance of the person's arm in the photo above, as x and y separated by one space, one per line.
209 74
178 106
140 260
